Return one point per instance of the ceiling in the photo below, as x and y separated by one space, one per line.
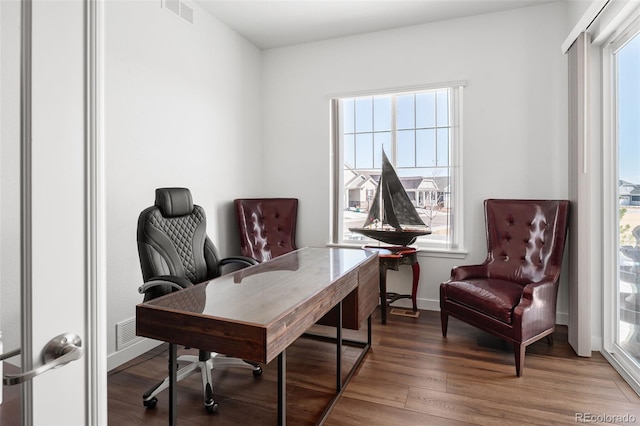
271 23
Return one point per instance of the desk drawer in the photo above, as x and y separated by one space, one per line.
361 302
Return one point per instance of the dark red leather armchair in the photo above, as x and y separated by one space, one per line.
513 293
267 226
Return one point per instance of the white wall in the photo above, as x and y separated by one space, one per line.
182 108
515 116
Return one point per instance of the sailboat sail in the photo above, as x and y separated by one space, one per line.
392 217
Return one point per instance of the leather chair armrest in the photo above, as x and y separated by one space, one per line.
459 273
177 283
537 307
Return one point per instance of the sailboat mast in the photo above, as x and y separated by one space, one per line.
380 206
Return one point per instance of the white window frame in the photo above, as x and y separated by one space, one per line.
454 245
611 318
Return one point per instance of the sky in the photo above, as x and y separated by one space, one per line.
629 111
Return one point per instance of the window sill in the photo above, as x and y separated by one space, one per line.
423 251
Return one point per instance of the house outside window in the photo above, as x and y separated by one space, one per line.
420 132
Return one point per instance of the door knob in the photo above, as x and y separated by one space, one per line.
57 352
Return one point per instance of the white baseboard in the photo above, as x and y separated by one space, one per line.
597 343
425 304
429 304
562 318
118 358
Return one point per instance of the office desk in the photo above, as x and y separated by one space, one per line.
257 312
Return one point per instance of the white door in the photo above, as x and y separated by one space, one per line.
58 211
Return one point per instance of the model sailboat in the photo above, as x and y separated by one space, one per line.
392 218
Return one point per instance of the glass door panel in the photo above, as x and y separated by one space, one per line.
627 76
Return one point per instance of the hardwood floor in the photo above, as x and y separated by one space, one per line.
411 376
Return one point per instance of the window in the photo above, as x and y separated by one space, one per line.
419 131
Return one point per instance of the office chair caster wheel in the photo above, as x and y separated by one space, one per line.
150 403
213 408
209 404
257 372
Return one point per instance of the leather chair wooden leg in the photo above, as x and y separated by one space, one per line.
519 350
444 321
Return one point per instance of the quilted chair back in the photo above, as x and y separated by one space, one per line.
267 226
525 239
172 239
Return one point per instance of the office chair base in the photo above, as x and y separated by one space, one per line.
149 399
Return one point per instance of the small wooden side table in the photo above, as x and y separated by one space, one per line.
391 258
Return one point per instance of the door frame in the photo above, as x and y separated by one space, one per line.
94 345
96 247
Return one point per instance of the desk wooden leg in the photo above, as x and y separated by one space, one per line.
339 349
414 289
383 293
173 379
282 389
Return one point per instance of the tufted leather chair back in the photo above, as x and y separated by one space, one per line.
525 239
267 226
172 239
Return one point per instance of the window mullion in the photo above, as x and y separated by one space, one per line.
415 131
394 130
435 129
373 127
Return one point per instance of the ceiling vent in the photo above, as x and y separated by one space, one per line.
179 8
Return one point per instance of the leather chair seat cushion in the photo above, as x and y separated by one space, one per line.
493 297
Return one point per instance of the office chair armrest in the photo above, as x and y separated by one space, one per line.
242 260
178 283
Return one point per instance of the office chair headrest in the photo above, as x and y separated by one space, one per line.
174 202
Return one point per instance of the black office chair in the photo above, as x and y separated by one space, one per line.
176 253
